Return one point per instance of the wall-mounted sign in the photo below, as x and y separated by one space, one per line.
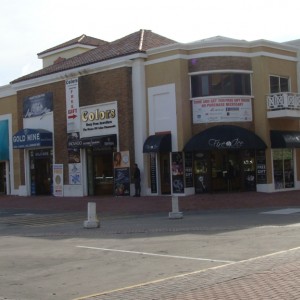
99 120
214 110
35 106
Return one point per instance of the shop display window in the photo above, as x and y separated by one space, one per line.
283 168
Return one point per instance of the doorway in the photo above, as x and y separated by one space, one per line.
100 172
41 171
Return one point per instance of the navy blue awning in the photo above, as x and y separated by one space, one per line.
32 138
285 139
224 137
158 143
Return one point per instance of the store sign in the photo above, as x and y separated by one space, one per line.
227 144
99 120
213 110
109 141
29 138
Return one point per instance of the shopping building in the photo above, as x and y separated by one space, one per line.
215 115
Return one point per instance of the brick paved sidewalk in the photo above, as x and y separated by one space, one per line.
152 204
274 276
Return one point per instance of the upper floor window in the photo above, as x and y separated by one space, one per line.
279 84
216 84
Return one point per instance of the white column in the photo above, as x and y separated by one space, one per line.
139 116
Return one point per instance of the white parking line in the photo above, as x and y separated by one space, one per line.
285 211
156 254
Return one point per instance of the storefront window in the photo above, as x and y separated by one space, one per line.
283 168
220 84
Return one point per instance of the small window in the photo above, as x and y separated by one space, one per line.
279 84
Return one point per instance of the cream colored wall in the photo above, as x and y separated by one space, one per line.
49 60
175 71
263 67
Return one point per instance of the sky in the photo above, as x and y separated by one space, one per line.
28 27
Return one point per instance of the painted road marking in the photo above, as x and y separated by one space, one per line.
156 254
184 275
285 211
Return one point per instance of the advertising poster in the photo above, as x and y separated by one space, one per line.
121 164
36 106
177 173
74 173
222 110
153 174
58 180
188 165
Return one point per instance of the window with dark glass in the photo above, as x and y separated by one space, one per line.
279 84
217 84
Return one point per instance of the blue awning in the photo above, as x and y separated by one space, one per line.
4 153
32 138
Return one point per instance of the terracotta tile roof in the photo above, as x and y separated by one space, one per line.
137 42
83 40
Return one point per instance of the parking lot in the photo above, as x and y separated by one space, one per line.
213 254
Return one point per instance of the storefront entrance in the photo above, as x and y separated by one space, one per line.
224 171
41 171
99 171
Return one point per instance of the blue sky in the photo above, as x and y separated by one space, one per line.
32 26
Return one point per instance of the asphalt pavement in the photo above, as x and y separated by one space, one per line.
213 252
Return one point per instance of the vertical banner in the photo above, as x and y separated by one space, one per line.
177 173
58 179
121 164
72 105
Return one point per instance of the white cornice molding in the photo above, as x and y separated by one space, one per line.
6 91
221 53
46 54
222 43
125 61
